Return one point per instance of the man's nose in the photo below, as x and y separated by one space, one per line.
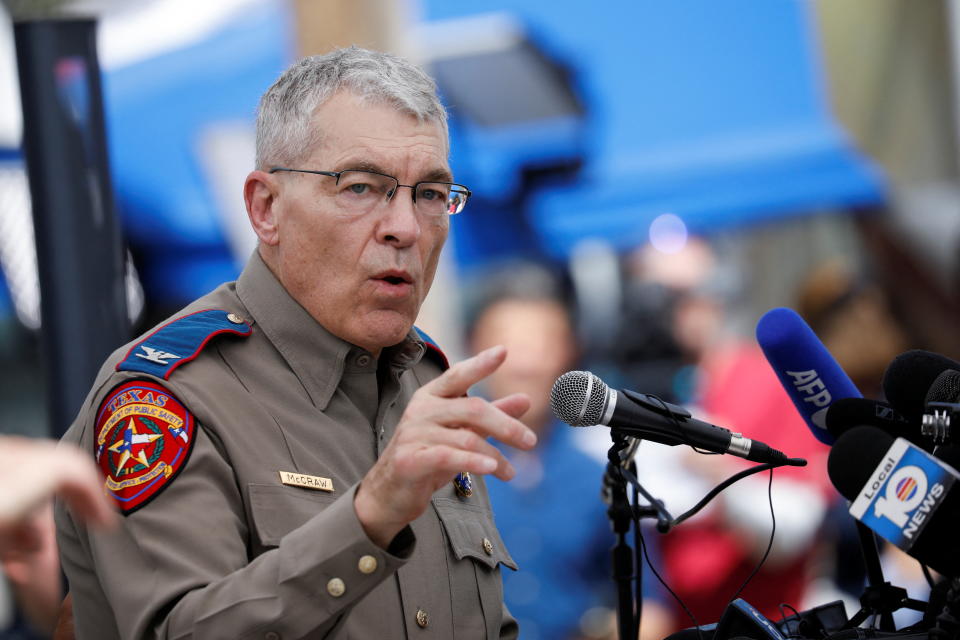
399 223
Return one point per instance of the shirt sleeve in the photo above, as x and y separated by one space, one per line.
180 566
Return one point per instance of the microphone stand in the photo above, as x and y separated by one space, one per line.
620 472
880 597
621 516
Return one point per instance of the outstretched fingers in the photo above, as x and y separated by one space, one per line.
455 381
487 420
514 405
432 452
442 432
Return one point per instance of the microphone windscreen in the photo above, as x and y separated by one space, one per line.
909 377
847 413
809 374
579 398
853 458
946 388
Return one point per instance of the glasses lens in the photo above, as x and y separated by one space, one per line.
457 200
440 198
359 191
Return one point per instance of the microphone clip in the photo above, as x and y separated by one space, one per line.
937 419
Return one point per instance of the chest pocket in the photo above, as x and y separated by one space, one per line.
472 534
278 510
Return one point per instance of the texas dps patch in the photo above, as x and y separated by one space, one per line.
144 437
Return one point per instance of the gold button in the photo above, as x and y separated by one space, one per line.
234 318
367 564
422 618
336 588
487 546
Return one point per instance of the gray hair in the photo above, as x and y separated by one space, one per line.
284 132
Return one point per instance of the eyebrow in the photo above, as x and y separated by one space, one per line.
435 175
438 175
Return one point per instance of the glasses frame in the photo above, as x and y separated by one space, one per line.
412 187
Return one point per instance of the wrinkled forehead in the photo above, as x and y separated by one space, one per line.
376 134
320 119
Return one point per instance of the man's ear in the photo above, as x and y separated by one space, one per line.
260 193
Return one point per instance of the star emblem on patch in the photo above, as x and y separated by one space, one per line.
144 436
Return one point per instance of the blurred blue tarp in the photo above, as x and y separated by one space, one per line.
715 112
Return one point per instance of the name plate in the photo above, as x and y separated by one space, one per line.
307 482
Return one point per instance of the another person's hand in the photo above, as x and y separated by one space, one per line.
441 433
31 472
34 573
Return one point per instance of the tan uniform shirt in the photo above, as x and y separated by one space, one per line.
226 550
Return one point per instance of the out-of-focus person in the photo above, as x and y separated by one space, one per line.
32 471
710 556
724 379
551 514
854 319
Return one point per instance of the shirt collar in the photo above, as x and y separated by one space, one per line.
316 356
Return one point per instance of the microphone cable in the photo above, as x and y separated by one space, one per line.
638 490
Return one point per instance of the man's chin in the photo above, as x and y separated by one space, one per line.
384 329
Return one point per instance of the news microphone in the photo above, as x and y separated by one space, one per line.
581 399
902 493
807 371
908 380
846 413
942 407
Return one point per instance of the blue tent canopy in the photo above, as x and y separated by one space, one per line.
714 112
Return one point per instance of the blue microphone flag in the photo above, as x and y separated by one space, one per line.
809 374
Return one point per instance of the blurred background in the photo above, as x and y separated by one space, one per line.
679 167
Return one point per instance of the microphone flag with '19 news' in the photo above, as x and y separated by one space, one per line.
581 399
809 374
902 493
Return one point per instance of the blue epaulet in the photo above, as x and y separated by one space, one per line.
434 352
180 341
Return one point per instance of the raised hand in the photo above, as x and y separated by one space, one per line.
440 434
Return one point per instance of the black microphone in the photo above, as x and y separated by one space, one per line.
846 413
942 407
908 379
581 399
902 493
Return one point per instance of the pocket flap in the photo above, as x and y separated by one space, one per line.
471 533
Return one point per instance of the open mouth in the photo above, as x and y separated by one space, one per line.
394 278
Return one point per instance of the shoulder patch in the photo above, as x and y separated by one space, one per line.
434 352
144 436
180 341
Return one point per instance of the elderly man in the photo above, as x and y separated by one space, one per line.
292 457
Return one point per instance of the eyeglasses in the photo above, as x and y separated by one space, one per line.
360 191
